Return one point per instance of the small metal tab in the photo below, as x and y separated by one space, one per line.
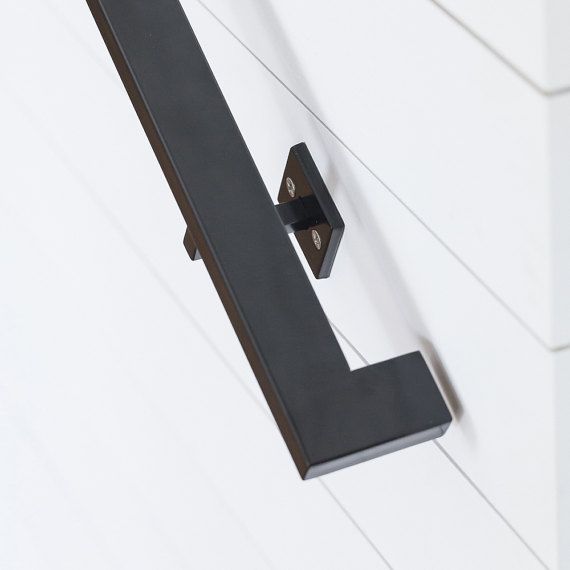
191 247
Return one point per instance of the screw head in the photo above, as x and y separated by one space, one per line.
316 239
290 187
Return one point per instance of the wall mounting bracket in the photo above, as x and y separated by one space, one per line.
306 209
330 417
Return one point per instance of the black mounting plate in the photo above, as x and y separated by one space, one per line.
308 182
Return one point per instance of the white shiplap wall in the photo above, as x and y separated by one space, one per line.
132 428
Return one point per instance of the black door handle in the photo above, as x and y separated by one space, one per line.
329 416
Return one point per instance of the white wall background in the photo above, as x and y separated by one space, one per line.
132 431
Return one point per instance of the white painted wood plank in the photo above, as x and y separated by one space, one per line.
117 468
532 35
40 527
562 397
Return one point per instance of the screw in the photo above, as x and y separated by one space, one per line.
316 239
290 187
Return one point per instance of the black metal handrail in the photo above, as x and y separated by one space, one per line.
329 416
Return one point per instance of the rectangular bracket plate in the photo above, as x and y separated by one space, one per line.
321 239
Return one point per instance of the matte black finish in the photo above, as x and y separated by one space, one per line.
329 416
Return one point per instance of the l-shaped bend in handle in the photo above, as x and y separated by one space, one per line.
329 416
